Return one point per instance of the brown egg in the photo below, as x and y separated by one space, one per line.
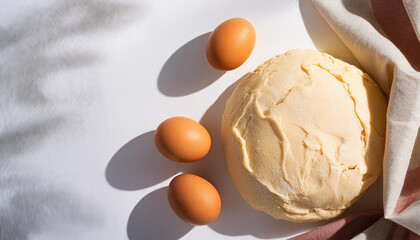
194 199
230 44
182 139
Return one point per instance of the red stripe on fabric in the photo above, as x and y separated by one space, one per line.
393 19
410 192
398 232
344 228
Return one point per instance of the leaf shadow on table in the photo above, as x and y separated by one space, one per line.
152 218
187 70
34 205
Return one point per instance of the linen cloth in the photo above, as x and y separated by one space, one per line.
384 37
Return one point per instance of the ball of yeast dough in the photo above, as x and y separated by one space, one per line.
303 135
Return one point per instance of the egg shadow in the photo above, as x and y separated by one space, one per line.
187 70
237 218
152 218
138 164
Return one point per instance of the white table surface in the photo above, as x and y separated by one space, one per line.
83 85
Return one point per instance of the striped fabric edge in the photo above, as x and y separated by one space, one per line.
394 20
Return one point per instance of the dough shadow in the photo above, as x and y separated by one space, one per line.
153 218
372 199
237 218
324 38
187 70
138 164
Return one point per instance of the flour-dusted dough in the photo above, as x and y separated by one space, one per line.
303 135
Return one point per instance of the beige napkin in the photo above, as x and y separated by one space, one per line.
384 37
